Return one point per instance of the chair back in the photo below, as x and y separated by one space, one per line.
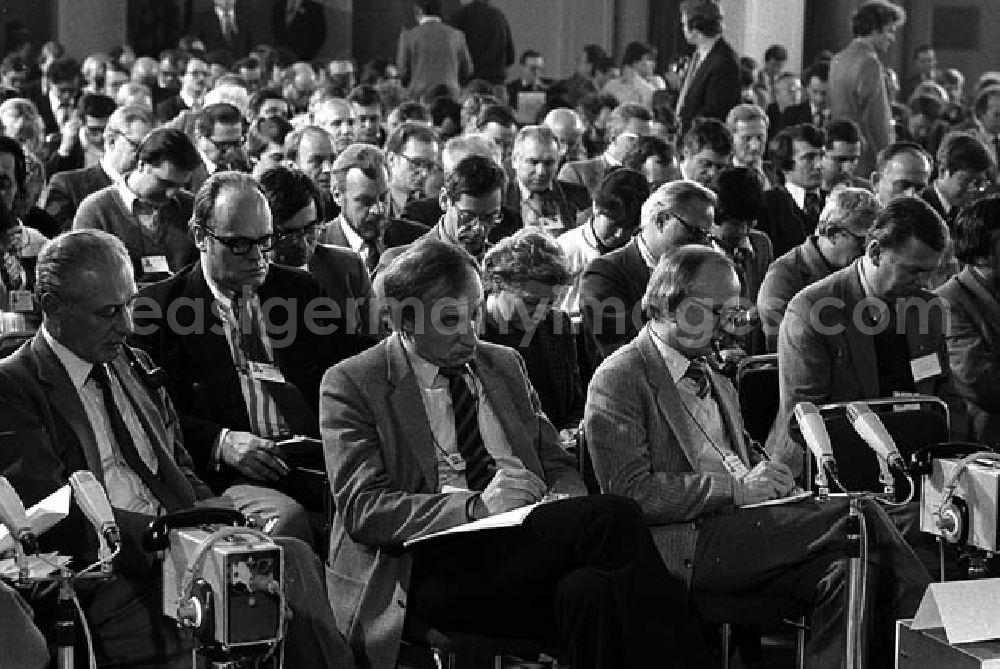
757 387
15 329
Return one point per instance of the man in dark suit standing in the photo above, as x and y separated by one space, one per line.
244 375
814 109
125 130
793 208
678 213
489 38
299 25
226 26
295 204
711 85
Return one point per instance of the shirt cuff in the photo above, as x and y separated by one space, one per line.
215 456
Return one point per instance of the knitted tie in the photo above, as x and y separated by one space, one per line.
479 464
697 371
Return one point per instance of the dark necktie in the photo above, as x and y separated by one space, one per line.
813 205
996 148
479 464
123 437
697 371
300 418
370 254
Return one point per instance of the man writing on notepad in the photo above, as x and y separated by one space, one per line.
664 428
431 429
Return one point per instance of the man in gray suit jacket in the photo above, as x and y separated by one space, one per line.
431 429
125 130
627 123
664 428
432 53
857 84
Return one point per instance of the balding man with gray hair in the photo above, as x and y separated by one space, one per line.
568 127
677 213
541 200
839 239
125 130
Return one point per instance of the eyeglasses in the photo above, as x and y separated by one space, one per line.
307 231
240 246
732 316
228 144
421 163
95 130
131 142
472 220
695 234
858 238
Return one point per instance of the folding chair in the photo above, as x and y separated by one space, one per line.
757 388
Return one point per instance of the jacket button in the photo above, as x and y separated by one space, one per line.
688 564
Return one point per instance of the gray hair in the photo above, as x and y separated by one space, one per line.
539 133
673 275
530 255
65 258
473 144
673 195
853 209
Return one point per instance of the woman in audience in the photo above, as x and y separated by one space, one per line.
973 296
21 121
524 276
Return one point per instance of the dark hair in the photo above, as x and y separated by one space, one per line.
365 95
475 176
11 146
925 105
220 112
842 130
673 275
208 194
246 63
64 70
592 104
531 256
740 194
705 16
174 57
974 229
288 191
411 110
708 132
620 196
643 148
429 7
603 64
500 114
529 53
820 71
983 98
271 130
874 15
13 62
404 132
258 99
776 52
428 270
97 105
593 52
220 57
963 151
906 218
168 144
624 113
784 150
898 148
444 108
634 52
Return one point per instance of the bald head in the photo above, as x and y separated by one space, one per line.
568 128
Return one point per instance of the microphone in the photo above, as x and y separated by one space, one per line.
93 501
15 518
814 433
872 430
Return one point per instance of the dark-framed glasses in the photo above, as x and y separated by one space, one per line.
475 220
307 231
429 166
226 145
240 246
695 234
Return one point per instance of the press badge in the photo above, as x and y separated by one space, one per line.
455 461
155 265
21 302
925 366
266 371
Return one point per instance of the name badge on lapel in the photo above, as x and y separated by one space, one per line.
266 371
21 302
155 265
925 367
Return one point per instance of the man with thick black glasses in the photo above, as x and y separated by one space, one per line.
149 208
245 343
219 135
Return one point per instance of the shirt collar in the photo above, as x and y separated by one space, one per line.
130 197
611 160
942 199
430 19
707 46
189 100
798 194
863 268
676 362
222 297
647 256
110 169
76 367
353 238
210 165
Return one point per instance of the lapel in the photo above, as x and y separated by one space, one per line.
63 395
985 301
729 408
334 234
862 345
814 263
210 348
635 268
667 398
498 386
408 408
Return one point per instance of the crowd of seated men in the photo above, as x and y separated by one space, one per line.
435 295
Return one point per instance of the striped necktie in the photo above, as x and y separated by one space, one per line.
479 464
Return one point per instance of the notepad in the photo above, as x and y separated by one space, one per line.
791 499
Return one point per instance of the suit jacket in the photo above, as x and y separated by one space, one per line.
57 163
432 54
168 110
715 88
206 26
973 336
836 362
588 173
342 276
857 92
646 447
802 266
488 36
67 190
306 33
427 211
798 114
786 224
198 177
610 296
397 233
45 436
193 349
380 457
931 197
570 200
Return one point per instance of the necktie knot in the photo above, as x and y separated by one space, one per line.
99 373
697 372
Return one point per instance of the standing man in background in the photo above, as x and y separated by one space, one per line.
432 54
711 85
857 86
488 36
